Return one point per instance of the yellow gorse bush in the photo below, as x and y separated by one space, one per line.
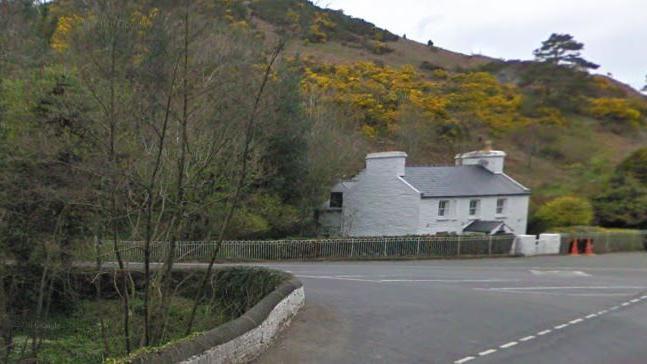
321 25
615 109
64 27
377 93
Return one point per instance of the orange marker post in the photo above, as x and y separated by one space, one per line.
588 249
574 249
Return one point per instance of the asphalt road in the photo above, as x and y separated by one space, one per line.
522 310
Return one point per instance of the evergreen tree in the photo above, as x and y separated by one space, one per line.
563 49
559 78
284 162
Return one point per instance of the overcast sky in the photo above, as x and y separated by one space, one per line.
614 32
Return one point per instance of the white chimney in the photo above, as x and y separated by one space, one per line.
491 160
386 163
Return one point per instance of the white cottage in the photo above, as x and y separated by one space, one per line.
388 198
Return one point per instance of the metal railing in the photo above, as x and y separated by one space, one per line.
608 241
310 249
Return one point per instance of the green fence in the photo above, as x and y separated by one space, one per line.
607 242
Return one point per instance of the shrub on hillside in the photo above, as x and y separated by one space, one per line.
378 95
320 27
565 211
618 113
378 47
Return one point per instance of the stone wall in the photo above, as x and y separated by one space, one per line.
237 341
253 343
528 245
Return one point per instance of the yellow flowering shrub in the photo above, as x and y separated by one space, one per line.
321 25
615 109
63 30
378 93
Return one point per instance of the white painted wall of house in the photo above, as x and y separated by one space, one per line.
514 215
381 202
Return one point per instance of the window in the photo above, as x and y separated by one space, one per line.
443 207
500 206
336 199
474 207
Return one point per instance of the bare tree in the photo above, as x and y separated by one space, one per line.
250 130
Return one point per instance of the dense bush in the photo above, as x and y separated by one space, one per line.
623 202
565 211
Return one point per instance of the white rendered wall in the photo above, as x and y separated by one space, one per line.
528 245
525 245
493 160
386 163
515 214
381 204
494 163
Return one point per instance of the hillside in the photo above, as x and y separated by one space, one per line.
361 87
572 158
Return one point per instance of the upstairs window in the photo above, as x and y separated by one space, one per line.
474 207
443 207
336 199
500 206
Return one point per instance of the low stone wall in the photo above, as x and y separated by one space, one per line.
240 340
528 245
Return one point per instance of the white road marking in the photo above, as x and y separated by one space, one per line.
538 288
597 268
464 360
355 278
561 273
337 278
554 293
450 280
643 297
545 332
487 352
350 276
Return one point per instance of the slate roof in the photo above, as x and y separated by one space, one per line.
461 181
482 226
